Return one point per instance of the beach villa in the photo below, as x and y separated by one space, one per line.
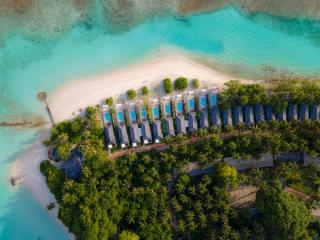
133 126
121 127
202 101
180 120
145 126
108 127
156 124
192 117
167 114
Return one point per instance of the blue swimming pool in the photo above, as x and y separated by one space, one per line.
202 101
191 103
143 113
213 99
120 116
167 108
179 107
107 117
133 115
155 111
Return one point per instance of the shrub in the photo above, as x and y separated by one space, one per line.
181 83
132 94
167 85
195 83
109 101
145 90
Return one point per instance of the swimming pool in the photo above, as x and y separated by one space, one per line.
133 115
167 108
191 103
202 101
155 111
179 107
120 116
107 117
143 113
213 99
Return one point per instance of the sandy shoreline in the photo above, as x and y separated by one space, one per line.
79 94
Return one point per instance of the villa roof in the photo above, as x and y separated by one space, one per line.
109 134
259 113
145 130
248 115
226 117
314 112
204 123
156 128
134 133
282 116
192 121
292 111
168 123
303 112
122 134
269 113
72 166
215 116
237 116
181 125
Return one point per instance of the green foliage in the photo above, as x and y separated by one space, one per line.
126 235
132 94
282 215
54 177
203 208
180 83
226 175
145 90
241 94
109 101
167 85
195 83
51 205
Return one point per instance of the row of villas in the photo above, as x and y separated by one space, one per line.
183 119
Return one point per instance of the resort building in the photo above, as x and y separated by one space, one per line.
73 165
133 126
215 112
156 124
192 116
180 120
168 121
108 128
314 112
282 115
203 123
226 117
259 113
248 115
303 112
292 112
269 113
237 116
145 126
121 127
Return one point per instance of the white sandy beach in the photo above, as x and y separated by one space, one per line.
79 94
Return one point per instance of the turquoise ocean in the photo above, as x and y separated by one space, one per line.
251 46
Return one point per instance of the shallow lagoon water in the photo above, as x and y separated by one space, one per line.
250 46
